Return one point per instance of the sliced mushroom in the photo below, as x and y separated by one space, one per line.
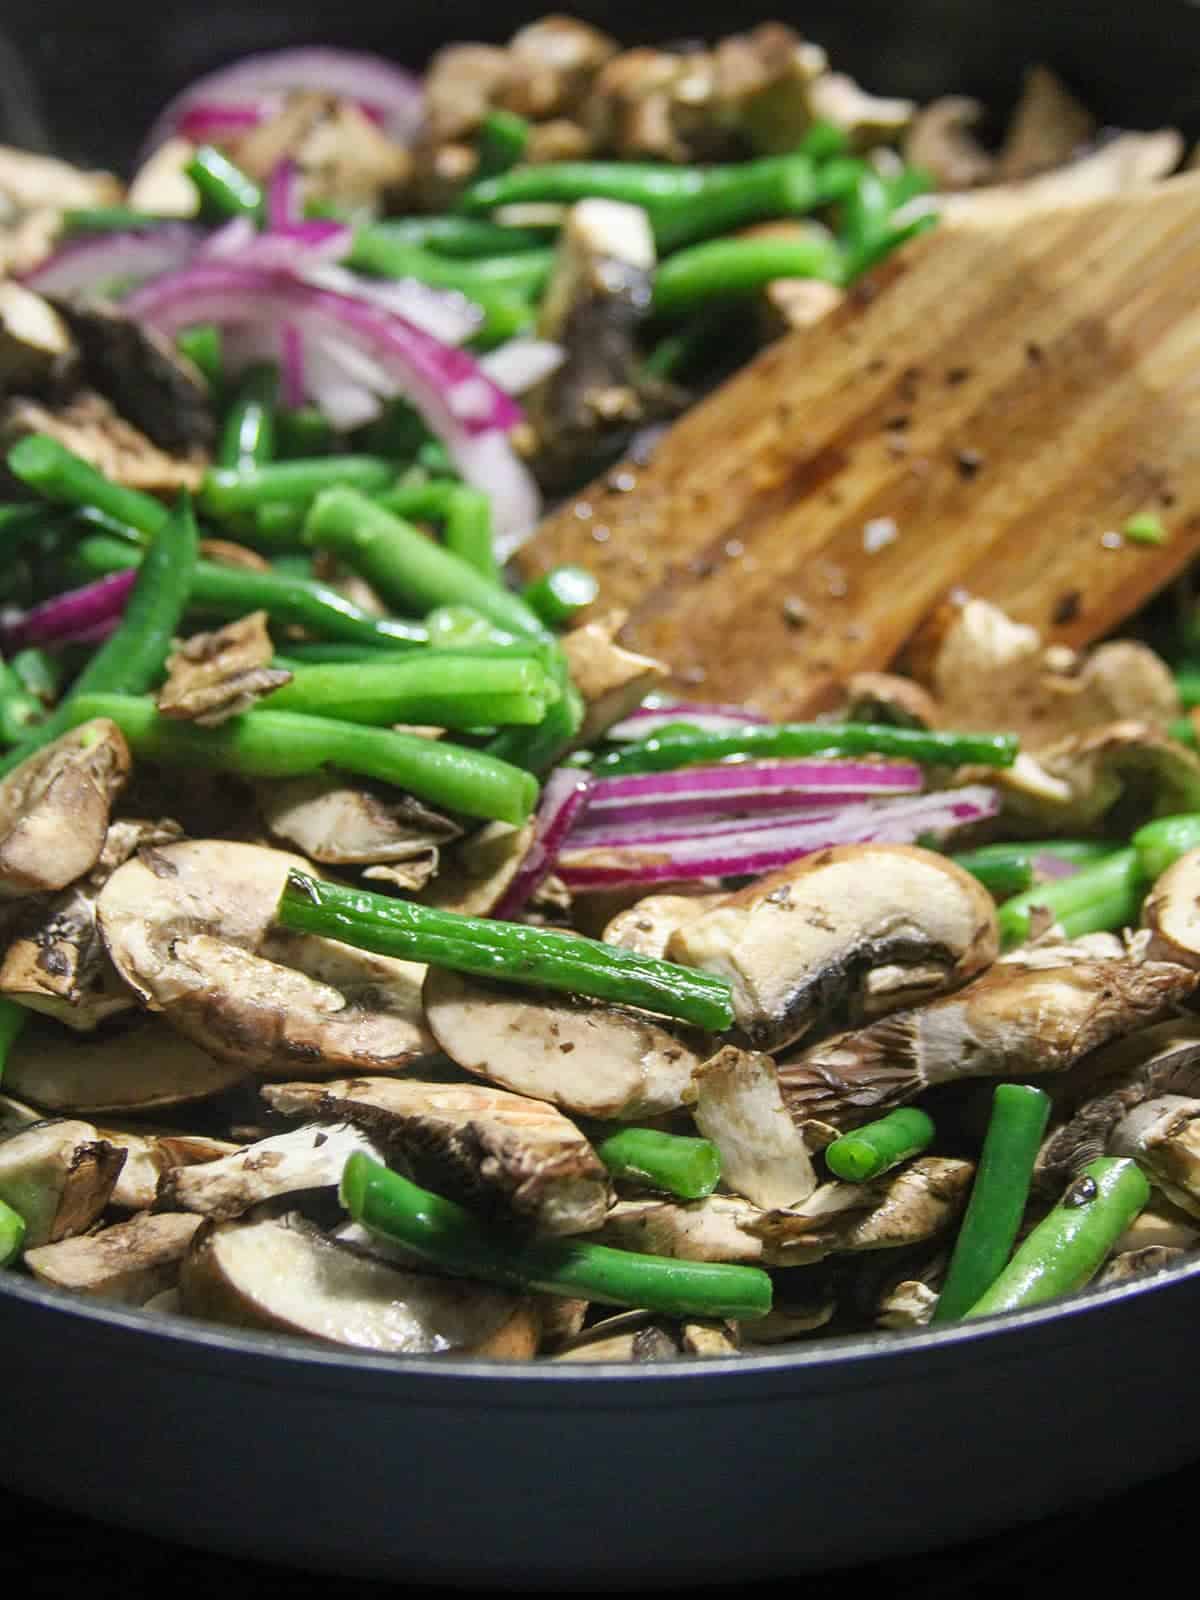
161 185
342 155
740 1108
611 679
718 1228
627 1336
15 1116
910 1304
599 1061
1161 1223
1047 129
462 83
647 926
190 929
1163 1136
54 809
29 181
130 1262
339 824
551 64
792 1316
884 698
482 1145
792 303
214 676
475 874
942 142
59 1176
35 347
1127 1264
1118 775
89 427
288 1163
1172 912
143 1067
852 931
1012 1021
762 85
148 1155
869 119
282 1274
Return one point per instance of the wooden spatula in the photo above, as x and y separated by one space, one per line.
986 416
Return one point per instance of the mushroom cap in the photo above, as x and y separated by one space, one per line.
59 1177
647 926
54 808
284 1164
1172 912
130 1262
280 1273
189 928
599 1061
851 931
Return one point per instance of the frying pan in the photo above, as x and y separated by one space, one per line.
544 1477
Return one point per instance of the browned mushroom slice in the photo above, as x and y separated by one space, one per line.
190 929
850 932
130 1262
29 181
599 1061
868 119
647 926
611 679
342 155
1161 1223
551 63
16 1116
280 1273
475 874
339 824
35 347
1010 1022
910 1304
1119 774
1163 1136
941 141
148 1155
718 1228
462 83
740 1108
89 427
54 809
285 1164
59 1176
884 698
479 1144
214 676
1172 912
626 1336
143 1067
792 1316
1047 129
762 83
1127 1264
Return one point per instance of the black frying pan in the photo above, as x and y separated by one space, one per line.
554 1476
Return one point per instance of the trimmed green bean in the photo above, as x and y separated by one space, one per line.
248 437
685 1167
40 673
538 749
509 952
1008 869
501 288
448 1236
688 747
20 711
1160 844
303 431
461 238
224 189
998 1197
723 269
1066 1249
877 1147
501 142
1102 897
60 475
468 531
434 459
421 502
228 493
1183 731
113 219
12 1234
558 596
284 744
408 569
1188 685
426 687
203 347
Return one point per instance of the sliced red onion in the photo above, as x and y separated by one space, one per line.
762 849
69 616
385 92
86 264
747 786
283 195
669 831
446 314
210 121
291 366
522 363
647 720
298 248
564 800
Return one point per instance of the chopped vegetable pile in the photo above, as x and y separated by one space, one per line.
386 958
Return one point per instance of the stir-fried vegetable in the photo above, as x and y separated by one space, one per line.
879 1146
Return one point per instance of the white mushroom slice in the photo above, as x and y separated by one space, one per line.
475 874
15 1117
167 1301
35 346
1120 1268
54 809
340 824
1163 1136
1047 129
280 1273
714 1229
145 1067
740 1108
190 930
214 676
29 181
131 1262
59 1176
622 1337
942 142
1011 1022
598 1061
1161 1223
161 185
800 945
910 1304
149 1155
611 679
1172 912
287 1163
647 926
869 119
791 1319
482 1145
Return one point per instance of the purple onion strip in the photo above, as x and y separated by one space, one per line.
564 800
70 617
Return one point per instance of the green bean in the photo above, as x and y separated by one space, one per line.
558 596
1160 844
230 592
824 140
283 744
723 269
276 525
229 493
501 142
1008 869
1102 897
687 1168
20 711
688 747
859 261
1188 685
248 437
408 569
60 475
501 289
303 431
510 952
998 1197
450 1238
113 219
1066 1249
434 459
12 1234
129 661
428 501
866 212
24 525
879 1146
454 627
538 749
13 1018
468 532
684 204
40 673
1183 731
462 238
202 345
224 189
426 687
